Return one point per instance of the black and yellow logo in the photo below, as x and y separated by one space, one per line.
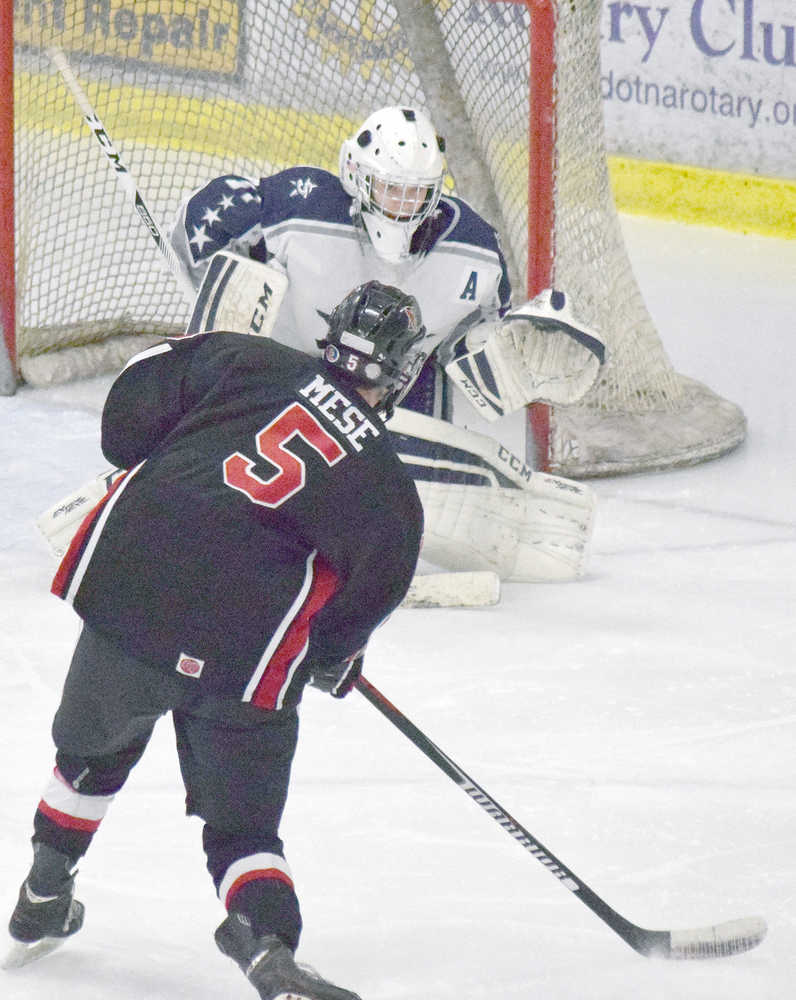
178 34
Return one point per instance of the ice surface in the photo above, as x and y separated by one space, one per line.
641 723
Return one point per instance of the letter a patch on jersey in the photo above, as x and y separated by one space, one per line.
470 287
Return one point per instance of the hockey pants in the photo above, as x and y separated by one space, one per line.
235 762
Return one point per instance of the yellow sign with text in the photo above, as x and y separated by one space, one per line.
177 34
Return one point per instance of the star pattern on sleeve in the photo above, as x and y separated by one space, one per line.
200 238
206 220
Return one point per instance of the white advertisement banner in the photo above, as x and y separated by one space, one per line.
709 83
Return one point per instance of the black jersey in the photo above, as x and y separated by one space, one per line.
265 523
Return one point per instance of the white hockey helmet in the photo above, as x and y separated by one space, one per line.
393 168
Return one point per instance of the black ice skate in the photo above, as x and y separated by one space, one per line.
46 912
269 966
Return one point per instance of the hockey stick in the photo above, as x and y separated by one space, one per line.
728 938
122 174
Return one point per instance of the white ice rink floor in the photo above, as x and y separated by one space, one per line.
641 723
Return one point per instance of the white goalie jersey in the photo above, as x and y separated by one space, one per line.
300 221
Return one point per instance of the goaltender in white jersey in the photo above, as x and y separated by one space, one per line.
300 220
385 217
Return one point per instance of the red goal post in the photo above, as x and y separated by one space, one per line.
189 89
7 293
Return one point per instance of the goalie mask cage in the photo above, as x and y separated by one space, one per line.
189 89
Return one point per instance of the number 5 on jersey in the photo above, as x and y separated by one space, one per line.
273 445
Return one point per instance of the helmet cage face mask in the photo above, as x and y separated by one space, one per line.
374 341
394 170
398 199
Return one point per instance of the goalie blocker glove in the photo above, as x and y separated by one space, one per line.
538 353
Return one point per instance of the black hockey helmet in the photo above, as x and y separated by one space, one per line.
374 339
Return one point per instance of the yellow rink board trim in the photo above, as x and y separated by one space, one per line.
740 202
182 123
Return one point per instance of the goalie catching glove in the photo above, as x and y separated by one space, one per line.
538 353
338 678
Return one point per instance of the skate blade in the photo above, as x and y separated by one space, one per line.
19 953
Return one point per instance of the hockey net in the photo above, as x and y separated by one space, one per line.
188 89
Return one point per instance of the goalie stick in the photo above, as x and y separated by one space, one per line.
718 941
175 266
237 293
466 589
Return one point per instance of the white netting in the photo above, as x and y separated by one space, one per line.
189 89
641 413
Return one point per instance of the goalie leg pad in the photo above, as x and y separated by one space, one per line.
523 536
485 509
60 523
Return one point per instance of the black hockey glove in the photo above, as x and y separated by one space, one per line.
338 678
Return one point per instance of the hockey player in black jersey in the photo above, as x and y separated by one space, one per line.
263 530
